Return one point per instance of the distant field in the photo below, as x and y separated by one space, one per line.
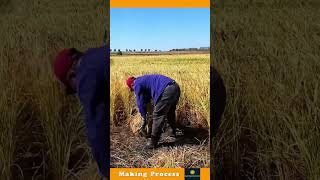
191 72
162 53
268 53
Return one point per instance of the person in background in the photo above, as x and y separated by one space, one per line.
87 75
217 106
164 93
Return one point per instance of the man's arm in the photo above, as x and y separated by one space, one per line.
141 101
92 94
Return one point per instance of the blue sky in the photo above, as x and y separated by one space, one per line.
159 28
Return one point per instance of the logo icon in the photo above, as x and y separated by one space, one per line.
192 174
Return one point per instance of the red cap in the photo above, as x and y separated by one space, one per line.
62 64
130 81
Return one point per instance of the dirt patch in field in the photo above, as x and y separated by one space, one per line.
189 149
128 150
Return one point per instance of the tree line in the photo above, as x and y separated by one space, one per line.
149 50
134 50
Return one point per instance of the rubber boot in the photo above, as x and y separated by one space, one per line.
152 143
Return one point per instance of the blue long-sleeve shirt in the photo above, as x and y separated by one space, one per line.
149 87
93 91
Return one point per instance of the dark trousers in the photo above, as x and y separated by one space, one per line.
217 106
165 109
217 101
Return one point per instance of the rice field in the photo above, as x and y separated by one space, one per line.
191 72
41 130
268 55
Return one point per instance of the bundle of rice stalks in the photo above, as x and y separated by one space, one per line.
119 115
186 117
135 120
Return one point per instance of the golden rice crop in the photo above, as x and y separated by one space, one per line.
268 55
190 71
41 131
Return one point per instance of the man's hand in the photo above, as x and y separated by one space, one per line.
142 130
143 123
